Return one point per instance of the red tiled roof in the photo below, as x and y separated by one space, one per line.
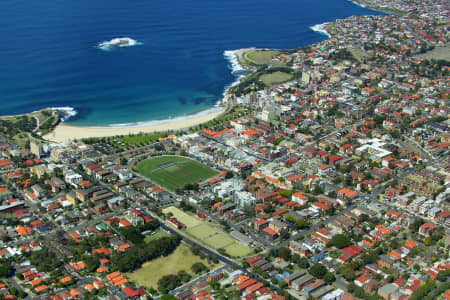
270 231
279 212
253 259
125 223
246 284
5 162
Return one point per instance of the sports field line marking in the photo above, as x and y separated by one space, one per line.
168 165
228 245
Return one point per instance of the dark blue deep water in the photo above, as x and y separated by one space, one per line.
48 56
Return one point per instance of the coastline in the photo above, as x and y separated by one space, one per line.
385 10
322 29
64 132
358 3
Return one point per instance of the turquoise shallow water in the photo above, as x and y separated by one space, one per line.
48 54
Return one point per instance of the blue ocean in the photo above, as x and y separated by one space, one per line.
49 55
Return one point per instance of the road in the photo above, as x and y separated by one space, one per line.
197 280
227 261
254 236
317 225
190 241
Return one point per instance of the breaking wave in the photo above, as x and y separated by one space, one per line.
120 42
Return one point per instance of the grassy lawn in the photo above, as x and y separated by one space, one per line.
238 250
219 240
174 172
261 57
202 231
188 220
139 140
18 127
157 234
359 54
439 52
275 77
181 259
208 234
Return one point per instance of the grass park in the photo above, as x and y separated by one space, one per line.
260 57
18 127
173 172
275 78
209 235
139 140
181 259
157 234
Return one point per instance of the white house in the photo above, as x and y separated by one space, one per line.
73 178
243 198
299 198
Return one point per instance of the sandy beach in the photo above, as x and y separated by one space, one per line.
64 132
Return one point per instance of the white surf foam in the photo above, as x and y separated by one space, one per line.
321 28
357 3
235 66
119 42
67 112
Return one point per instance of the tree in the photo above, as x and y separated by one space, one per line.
168 283
427 241
369 257
414 227
303 263
340 241
295 258
290 219
423 290
91 263
348 273
443 275
301 224
184 276
278 141
337 180
331 211
329 277
318 271
138 254
44 260
215 285
286 193
285 253
6 269
198 268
